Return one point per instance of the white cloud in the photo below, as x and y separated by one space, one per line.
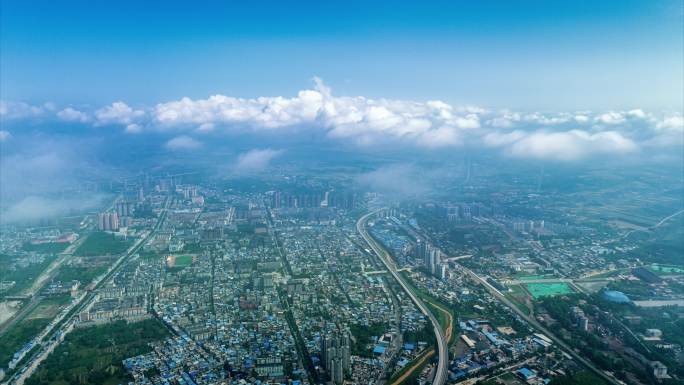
378 122
548 120
611 118
21 110
622 117
637 113
505 119
41 165
470 121
183 142
72 115
497 139
581 118
255 160
118 113
440 137
669 132
511 119
133 128
4 135
206 127
32 208
360 119
671 123
568 145
399 180
263 112
29 209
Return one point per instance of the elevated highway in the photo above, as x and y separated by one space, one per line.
441 371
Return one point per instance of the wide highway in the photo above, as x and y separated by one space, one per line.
441 371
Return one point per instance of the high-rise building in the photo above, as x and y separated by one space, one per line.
466 214
336 371
421 250
103 221
427 259
124 209
435 261
276 200
432 260
443 271
108 221
581 321
114 221
336 355
212 233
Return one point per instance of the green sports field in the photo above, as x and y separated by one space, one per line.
179 261
539 290
184 260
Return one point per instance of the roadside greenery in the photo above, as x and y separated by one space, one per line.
17 336
102 243
45 248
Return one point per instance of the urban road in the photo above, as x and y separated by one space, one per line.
441 371
502 298
498 295
67 324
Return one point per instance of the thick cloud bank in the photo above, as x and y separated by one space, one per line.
559 136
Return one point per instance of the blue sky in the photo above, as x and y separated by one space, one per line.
529 55
101 87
